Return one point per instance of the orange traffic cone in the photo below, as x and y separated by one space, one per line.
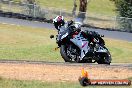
84 73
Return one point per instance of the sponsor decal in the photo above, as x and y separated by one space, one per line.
85 81
84 44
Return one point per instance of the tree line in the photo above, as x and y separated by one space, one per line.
124 7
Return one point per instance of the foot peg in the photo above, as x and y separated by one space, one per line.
56 48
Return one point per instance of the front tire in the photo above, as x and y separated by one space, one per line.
63 54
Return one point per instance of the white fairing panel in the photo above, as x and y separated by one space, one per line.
82 43
65 35
101 50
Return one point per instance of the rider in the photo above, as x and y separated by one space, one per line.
59 22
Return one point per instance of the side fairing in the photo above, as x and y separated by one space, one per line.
82 43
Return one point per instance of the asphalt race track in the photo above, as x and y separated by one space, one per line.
109 34
114 65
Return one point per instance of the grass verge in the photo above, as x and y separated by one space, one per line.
121 51
95 6
26 43
8 83
105 7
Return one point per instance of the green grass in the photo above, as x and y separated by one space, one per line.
26 43
8 83
104 7
121 51
95 6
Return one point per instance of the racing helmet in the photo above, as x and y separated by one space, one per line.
58 21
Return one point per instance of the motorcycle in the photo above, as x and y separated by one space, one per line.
82 47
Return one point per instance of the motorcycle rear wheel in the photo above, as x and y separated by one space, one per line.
105 58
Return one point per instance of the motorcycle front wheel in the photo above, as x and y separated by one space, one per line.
63 52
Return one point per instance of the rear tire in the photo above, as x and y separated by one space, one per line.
105 58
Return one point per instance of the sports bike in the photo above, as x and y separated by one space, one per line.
82 46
